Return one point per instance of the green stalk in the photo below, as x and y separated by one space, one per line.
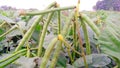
67 25
56 54
74 35
68 46
49 10
59 24
10 30
28 50
12 59
74 29
28 53
88 49
31 30
69 54
80 41
2 24
48 52
23 50
33 55
74 39
90 23
41 40
21 30
64 32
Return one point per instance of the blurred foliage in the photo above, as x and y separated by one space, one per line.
113 5
109 41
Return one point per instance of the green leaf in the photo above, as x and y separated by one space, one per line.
93 60
61 61
1 32
4 18
109 41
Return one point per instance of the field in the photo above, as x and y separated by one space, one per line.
59 37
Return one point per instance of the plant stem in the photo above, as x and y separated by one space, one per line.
74 37
70 55
41 40
48 52
80 41
21 30
28 50
67 24
74 29
88 49
77 7
68 46
60 37
3 24
49 10
82 49
28 53
33 54
31 30
59 23
64 32
10 30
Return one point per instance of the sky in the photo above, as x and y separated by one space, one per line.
41 4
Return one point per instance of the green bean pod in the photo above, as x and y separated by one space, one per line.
31 30
88 49
10 30
56 54
48 52
28 34
43 34
23 50
90 23
12 58
50 10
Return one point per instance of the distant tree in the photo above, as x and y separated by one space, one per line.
107 5
5 7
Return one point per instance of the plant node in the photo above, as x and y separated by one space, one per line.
60 37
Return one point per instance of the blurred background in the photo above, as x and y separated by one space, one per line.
41 4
